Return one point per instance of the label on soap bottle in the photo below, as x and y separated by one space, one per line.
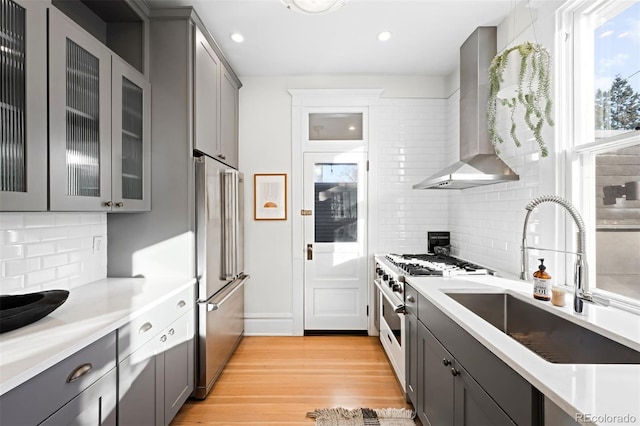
542 288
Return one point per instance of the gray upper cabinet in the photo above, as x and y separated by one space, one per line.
23 89
131 139
229 118
216 104
80 118
99 131
207 97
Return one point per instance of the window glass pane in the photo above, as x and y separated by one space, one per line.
618 221
335 126
336 202
617 74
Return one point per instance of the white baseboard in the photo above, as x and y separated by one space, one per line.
268 324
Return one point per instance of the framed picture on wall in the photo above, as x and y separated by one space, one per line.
270 196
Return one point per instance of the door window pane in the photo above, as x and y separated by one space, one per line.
617 74
618 221
335 126
12 97
336 202
83 125
131 140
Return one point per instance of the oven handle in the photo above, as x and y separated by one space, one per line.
398 308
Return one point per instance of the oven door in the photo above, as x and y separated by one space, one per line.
392 332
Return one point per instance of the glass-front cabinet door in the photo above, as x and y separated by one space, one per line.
131 148
23 106
80 118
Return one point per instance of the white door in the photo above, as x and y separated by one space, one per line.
335 272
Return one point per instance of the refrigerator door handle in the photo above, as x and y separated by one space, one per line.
228 230
214 306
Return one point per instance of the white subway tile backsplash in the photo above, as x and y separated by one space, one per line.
40 277
39 220
50 250
40 249
11 252
11 220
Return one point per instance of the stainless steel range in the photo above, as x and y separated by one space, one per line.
390 275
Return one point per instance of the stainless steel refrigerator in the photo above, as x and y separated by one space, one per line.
220 268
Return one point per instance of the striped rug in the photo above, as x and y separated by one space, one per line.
363 417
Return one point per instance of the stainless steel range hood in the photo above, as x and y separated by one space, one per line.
479 164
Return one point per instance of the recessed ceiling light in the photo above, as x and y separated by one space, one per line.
384 36
237 37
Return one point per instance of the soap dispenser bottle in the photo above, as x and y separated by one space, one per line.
542 283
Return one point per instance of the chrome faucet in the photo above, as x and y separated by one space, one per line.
581 291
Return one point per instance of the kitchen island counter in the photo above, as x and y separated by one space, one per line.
602 393
91 312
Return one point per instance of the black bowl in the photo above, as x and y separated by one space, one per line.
23 309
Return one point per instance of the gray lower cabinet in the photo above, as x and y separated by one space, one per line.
452 379
79 390
156 379
448 394
94 406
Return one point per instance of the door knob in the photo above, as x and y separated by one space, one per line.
309 251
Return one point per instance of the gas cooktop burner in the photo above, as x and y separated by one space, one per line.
433 265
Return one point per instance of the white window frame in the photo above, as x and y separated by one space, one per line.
577 20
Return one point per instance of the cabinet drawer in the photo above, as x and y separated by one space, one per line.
33 401
140 330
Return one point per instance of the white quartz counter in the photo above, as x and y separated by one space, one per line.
601 392
91 312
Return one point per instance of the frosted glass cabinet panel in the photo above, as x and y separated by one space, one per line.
23 114
80 118
131 153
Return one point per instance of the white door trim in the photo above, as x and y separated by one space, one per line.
302 98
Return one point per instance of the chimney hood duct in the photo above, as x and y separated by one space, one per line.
479 164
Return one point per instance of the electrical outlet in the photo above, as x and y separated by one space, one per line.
97 244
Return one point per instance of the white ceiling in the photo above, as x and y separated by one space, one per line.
427 35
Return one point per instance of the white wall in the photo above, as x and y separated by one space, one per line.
486 222
43 251
265 147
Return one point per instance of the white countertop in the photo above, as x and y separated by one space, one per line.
602 390
91 312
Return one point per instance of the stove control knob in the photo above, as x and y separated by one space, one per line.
392 282
401 278
397 288
385 277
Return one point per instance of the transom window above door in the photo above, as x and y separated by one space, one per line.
335 126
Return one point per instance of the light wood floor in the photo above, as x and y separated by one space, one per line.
277 380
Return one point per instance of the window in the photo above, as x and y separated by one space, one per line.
605 152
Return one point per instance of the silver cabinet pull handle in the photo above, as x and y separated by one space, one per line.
119 204
212 307
411 299
79 372
181 304
145 327
172 332
108 203
163 338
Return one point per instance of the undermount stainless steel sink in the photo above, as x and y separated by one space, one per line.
550 336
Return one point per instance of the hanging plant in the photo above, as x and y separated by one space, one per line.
532 92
